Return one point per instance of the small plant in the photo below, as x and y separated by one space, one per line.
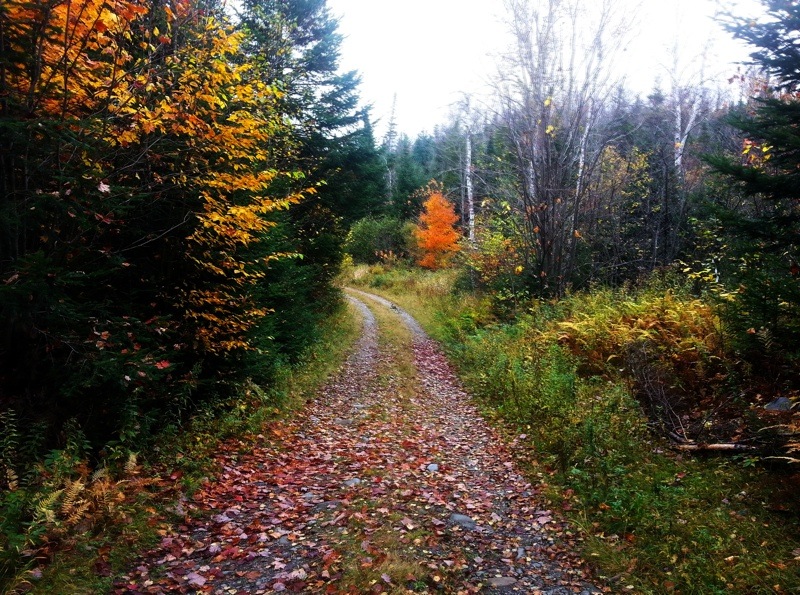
9 450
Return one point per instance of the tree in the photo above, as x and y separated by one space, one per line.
552 93
616 213
409 174
437 237
766 236
140 163
295 45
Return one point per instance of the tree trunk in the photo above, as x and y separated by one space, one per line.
468 183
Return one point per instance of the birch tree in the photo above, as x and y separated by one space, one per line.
689 103
558 76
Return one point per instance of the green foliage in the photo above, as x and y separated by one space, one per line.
149 259
576 423
153 254
495 265
9 450
761 260
408 165
564 382
372 240
114 507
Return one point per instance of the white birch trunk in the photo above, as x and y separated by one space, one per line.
468 183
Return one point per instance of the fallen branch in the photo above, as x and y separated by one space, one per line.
678 438
724 447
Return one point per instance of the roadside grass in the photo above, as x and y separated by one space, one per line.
383 558
427 295
396 339
147 495
561 381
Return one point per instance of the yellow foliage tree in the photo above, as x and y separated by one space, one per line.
154 100
436 234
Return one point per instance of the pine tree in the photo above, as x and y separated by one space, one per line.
410 177
296 45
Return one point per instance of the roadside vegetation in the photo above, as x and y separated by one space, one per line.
88 523
586 387
616 276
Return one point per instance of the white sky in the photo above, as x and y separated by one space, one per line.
430 52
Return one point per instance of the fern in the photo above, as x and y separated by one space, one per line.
44 511
101 473
12 479
131 464
72 494
766 338
78 513
9 448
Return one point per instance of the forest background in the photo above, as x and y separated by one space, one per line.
182 186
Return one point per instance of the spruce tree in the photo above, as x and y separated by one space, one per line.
296 45
766 236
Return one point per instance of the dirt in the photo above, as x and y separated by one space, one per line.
384 484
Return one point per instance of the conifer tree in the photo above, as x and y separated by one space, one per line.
437 237
766 236
296 45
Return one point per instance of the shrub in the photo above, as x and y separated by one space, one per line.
372 240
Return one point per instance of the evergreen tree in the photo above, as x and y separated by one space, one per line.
410 176
136 168
297 44
766 246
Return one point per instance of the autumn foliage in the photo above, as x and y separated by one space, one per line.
436 235
142 158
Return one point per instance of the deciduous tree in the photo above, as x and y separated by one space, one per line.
139 164
436 234
557 78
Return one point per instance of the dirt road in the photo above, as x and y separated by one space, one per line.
390 481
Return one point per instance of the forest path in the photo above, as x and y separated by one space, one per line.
389 482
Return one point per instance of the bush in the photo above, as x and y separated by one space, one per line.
372 240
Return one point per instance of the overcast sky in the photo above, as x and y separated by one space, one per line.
430 52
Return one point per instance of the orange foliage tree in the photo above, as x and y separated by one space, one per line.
147 109
436 234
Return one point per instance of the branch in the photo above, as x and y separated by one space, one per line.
720 447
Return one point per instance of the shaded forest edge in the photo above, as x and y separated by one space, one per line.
177 182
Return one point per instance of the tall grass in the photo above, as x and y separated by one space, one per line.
563 380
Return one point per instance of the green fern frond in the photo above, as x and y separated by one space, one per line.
131 464
44 508
9 448
101 473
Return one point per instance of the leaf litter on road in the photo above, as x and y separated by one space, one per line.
375 488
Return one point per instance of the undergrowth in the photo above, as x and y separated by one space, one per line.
71 521
588 386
